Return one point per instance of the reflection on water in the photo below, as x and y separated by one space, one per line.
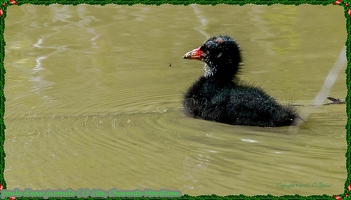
263 32
94 99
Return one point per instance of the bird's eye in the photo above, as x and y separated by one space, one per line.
204 50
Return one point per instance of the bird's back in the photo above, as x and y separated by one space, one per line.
231 103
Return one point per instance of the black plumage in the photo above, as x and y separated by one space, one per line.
219 95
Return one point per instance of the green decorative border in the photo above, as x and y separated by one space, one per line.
175 2
2 96
347 11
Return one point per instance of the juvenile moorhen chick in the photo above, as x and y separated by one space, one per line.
219 95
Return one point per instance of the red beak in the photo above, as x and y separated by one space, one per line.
194 54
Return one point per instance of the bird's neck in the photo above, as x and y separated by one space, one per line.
210 70
225 72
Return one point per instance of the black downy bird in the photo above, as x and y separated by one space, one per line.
219 95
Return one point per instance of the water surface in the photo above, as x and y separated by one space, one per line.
93 99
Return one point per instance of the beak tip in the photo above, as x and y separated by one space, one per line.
187 56
194 54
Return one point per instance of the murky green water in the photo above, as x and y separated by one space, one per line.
93 99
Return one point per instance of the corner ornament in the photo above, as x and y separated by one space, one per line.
338 197
4 5
345 4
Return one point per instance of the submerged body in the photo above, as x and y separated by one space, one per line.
219 96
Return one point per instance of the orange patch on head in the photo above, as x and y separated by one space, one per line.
219 40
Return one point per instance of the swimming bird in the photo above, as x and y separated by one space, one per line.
221 97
